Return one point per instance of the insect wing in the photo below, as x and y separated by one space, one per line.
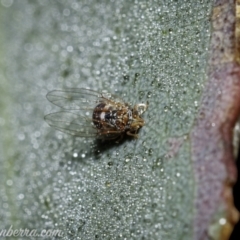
81 123
79 98
72 123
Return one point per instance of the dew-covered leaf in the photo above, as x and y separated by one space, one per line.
175 181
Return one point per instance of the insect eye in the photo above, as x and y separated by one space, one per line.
141 108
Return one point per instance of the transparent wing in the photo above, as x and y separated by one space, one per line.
72 123
79 126
80 98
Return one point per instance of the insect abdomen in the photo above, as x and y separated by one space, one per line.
105 116
97 116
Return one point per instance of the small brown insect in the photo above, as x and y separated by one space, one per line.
94 114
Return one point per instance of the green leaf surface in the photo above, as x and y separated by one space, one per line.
155 51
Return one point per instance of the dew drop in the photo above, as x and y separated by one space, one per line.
9 182
21 196
178 174
66 12
150 152
69 48
110 164
108 184
222 221
7 3
137 75
141 93
75 155
21 136
174 214
149 94
126 78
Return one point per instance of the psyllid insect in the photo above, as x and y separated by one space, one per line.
94 114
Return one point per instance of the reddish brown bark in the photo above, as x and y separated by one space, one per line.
211 137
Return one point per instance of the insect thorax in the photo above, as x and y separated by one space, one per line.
107 116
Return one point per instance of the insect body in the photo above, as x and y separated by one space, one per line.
93 114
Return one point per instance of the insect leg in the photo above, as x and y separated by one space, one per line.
132 134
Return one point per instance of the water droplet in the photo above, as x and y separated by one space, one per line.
165 109
69 48
108 184
9 182
75 155
7 3
137 75
66 12
149 94
150 152
21 136
222 221
110 164
21 196
174 213
126 78
141 94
